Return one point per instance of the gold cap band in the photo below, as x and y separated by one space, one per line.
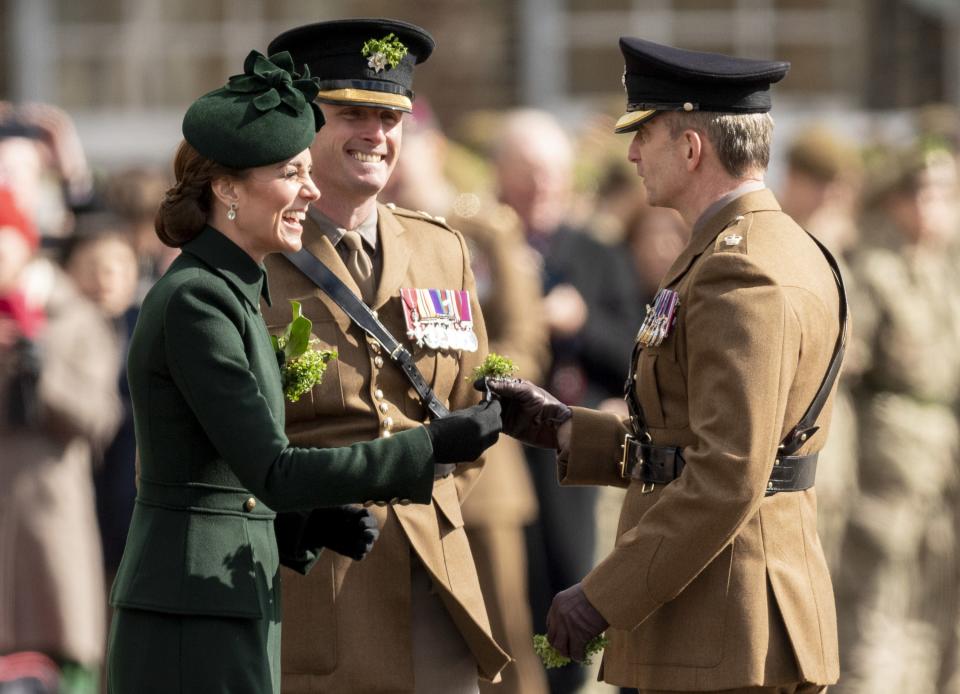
629 121
367 97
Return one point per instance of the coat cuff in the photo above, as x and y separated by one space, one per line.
595 450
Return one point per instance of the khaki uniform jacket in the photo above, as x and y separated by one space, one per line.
51 573
347 624
712 585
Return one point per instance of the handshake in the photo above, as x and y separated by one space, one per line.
515 407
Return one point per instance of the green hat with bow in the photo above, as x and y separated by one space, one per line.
264 116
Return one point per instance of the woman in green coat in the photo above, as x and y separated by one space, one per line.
223 498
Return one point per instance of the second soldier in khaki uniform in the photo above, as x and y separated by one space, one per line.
411 616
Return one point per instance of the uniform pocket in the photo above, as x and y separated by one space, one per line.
662 388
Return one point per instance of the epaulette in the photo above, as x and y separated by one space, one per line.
419 214
733 237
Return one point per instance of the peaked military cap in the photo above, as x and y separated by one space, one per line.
664 78
367 62
264 116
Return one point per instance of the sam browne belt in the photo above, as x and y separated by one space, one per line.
652 464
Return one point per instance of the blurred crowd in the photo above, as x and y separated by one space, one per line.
566 255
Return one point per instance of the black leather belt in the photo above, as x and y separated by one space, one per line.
654 465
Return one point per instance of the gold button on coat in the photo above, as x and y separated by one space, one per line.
249 504
387 422
378 361
384 407
378 394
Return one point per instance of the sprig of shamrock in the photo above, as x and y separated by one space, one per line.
389 48
552 658
301 366
494 366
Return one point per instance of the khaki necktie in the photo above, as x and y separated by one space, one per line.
359 264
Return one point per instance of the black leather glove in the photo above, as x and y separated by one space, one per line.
572 621
347 530
530 414
463 435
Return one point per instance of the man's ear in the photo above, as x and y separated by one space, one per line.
694 144
225 190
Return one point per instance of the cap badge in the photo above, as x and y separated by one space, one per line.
383 53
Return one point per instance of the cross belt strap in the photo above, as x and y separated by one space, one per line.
363 318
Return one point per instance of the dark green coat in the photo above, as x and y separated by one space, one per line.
215 467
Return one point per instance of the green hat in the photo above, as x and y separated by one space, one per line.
261 117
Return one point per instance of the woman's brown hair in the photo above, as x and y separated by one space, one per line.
185 208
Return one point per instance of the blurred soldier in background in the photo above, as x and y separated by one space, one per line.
508 288
897 585
591 309
821 193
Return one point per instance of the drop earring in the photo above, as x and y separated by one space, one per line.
232 212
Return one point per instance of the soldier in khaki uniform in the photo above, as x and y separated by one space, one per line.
411 616
717 581
897 589
508 288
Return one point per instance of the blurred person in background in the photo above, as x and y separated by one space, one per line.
102 264
656 237
58 407
503 501
591 309
43 162
821 191
897 584
133 195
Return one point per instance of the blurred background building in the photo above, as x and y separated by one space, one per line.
126 69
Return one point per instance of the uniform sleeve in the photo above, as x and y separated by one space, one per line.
463 393
743 345
207 357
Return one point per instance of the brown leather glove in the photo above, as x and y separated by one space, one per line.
530 414
572 622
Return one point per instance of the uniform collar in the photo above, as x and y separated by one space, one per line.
232 263
367 228
709 227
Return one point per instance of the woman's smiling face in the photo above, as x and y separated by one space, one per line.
272 203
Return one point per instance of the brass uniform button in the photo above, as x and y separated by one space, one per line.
384 407
249 504
378 361
387 422
378 394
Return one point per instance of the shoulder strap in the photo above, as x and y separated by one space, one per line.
807 426
363 318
